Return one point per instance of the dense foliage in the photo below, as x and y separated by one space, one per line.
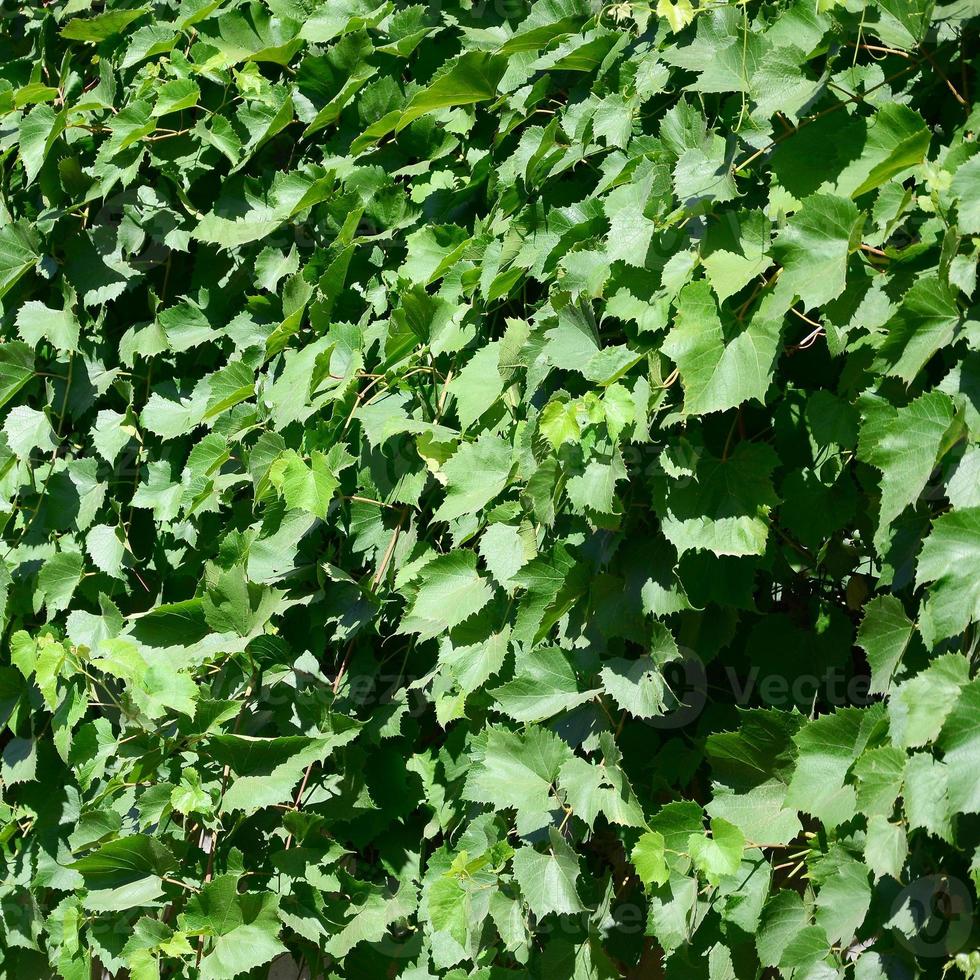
490 490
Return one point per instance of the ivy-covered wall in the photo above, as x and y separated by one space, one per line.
489 489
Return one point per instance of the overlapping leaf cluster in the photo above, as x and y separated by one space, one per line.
489 489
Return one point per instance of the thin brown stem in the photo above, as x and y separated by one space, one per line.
956 95
804 317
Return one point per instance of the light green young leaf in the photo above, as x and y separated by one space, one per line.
648 858
719 855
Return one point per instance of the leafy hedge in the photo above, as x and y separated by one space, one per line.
490 490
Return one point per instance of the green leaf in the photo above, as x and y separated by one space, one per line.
448 591
307 487
725 506
478 386
267 770
735 251
38 131
886 847
125 873
783 918
827 746
101 26
960 744
19 763
475 474
228 387
635 685
516 772
16 369
18 255
905 444
124 860
505 550
547 881
58 579
648 858
926 793
879 774
594 789
544 684
559 422
27 429
472 77
182 93
805 950
965 183
244 928
946 561
919 706
898 139
234 605
719 855
884 635
250 33
595 489
814 246
105 548
719 372
638 686
35 322
927 320
844 896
